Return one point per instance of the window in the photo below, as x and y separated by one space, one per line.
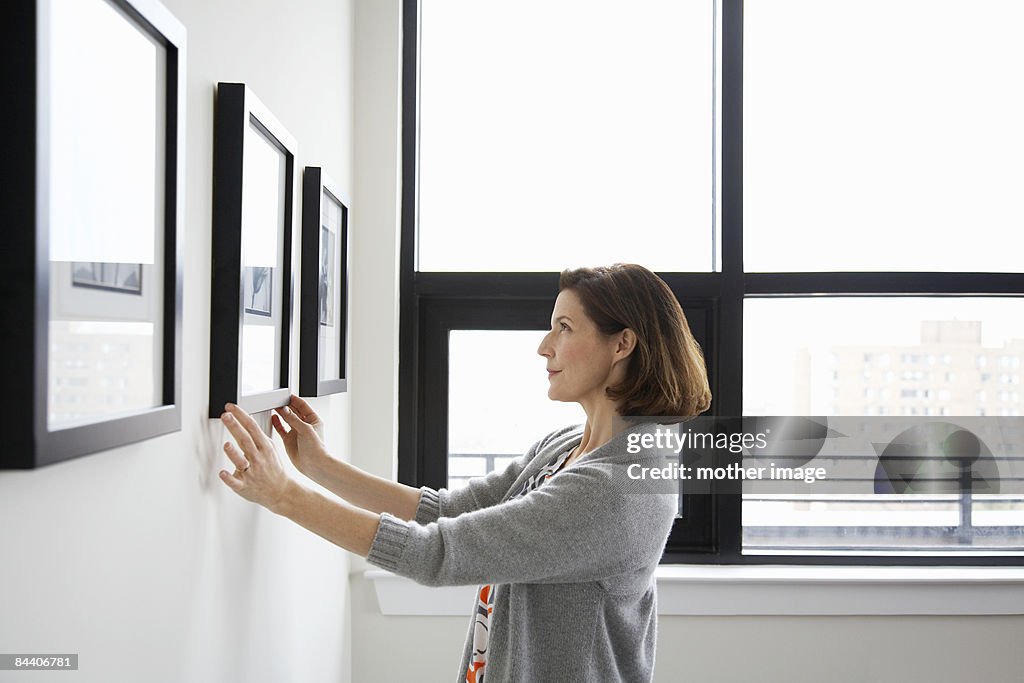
546 135
788 194
785 375
881 149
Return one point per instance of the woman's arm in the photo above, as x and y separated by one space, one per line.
580 525
363 489
343 525
307 452
259 477
587 523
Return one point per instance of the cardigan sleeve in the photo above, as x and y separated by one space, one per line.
479 492
581 525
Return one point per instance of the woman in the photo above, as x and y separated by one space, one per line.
563 557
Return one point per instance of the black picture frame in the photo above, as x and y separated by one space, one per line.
25 266
236 109
318 312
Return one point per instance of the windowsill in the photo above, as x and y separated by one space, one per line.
689 590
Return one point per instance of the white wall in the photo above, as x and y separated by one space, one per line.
140 559
837 649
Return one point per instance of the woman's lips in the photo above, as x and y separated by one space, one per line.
552 373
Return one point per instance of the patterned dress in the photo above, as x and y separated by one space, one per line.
485 596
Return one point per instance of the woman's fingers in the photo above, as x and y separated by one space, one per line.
242 437
236 457
259 477
275 419
232 481
304 410
292 418
245 419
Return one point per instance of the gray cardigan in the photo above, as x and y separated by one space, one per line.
573 561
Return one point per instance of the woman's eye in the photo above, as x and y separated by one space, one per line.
564 326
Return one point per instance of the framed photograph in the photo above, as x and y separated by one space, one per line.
323 321
327 284
251 298
258 286
114 277
91 267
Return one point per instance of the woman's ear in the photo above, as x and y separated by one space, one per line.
626 343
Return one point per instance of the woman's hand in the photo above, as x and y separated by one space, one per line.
301 438
259 475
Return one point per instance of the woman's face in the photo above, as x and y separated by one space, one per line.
580 359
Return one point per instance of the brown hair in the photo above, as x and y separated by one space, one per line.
665 374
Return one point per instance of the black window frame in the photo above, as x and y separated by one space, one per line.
432 303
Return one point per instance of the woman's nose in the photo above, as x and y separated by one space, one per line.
543 349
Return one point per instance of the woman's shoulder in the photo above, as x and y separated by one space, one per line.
560 438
